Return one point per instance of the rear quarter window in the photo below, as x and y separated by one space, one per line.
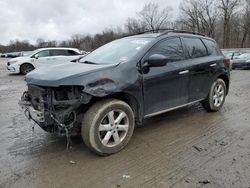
212 47
71 52
195 47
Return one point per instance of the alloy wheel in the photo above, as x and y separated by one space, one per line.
218 95
113 128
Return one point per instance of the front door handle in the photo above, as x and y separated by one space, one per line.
213 65
184 72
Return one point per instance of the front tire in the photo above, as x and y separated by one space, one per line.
108 126
26 68
216 96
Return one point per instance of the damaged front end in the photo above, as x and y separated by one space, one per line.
56 109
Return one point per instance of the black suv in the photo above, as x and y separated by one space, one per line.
125 81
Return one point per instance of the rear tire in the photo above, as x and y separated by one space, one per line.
108 126
216 96
26 68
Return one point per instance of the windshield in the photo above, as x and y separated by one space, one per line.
118 51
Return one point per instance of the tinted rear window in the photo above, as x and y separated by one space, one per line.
195 47
212 47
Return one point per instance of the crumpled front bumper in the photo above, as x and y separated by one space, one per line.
41 118
31 113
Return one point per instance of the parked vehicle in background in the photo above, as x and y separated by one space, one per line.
14 54
242 62
231 54
126 81
11 54
4 55
41 57
236 55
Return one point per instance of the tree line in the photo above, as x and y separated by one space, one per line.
227 21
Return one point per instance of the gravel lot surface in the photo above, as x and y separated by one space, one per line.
188 147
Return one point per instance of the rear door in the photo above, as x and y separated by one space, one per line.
58 56
199 68
215 59
165 87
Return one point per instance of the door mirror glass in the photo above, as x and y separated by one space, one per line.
157 60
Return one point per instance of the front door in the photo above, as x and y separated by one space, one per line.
43 58
166 87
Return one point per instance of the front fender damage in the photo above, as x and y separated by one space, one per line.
101 87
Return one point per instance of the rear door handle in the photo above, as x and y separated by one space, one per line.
213 65
184 72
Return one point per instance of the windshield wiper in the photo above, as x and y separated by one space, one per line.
89 62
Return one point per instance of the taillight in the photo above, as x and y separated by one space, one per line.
227 62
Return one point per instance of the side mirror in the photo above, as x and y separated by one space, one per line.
156 60
36 56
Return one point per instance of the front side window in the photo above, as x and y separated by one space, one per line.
195 47
43 53
171 48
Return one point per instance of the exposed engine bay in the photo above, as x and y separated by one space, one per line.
56 109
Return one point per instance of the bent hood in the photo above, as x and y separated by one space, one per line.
63 74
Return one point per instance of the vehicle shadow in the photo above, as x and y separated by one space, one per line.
15 74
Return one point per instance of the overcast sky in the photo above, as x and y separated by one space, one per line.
60 19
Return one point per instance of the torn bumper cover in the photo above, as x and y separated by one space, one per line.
55 110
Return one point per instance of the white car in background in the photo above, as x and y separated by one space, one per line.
42 57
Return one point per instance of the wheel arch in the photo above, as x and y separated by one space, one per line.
130 100
20 66
225 78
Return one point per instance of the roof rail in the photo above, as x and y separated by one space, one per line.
166 31
144 32
181 31
153 31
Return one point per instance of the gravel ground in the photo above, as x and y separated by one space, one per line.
183 148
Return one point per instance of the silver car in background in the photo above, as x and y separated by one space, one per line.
242 62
